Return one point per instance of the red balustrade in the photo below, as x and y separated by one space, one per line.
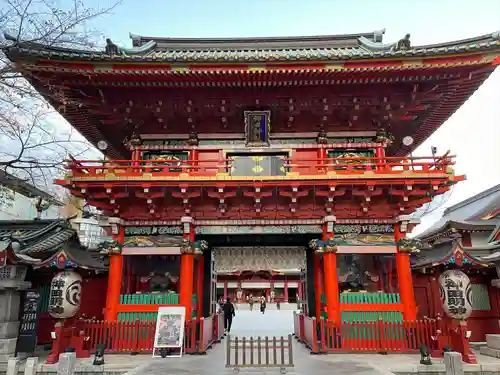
377 336
138 336
298 325
174 168
310 337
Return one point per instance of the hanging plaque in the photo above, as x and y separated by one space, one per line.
456 294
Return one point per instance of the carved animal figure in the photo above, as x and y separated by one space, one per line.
403 44
111 48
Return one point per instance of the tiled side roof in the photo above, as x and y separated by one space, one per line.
38 243
443 253
257 50
50 243
443 225
78 256
429 256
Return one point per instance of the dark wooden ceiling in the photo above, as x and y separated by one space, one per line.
414 105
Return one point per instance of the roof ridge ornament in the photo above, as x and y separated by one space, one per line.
403 44
113 50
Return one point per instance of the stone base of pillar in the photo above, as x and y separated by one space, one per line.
11 287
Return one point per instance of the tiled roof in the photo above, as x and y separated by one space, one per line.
442 253
443 224
430 256
255 50
35 242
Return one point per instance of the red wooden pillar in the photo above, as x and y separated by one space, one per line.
380 155
115 276
404 278
193 161
322 160
299 290
187 268
285 291
331 277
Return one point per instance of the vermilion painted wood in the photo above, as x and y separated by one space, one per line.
138 336
377 336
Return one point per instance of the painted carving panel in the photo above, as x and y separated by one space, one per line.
235 259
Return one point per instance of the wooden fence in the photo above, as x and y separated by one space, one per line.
138 336
258 352
375 336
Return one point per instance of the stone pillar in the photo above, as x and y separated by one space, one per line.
405 280
31 366
11 286
453 363
13 365
115 274
67 363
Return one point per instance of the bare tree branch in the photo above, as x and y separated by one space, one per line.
34 138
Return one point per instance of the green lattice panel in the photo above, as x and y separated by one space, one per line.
480 297
386 298
367 298
44 298
372 316
133 316
149 299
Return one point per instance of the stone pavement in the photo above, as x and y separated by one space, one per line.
214 364
253 323
272 323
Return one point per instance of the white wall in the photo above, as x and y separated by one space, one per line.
14 206
479 238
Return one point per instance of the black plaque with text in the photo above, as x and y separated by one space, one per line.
29 317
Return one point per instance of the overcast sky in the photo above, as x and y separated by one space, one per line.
472 133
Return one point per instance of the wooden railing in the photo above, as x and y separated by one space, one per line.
375 336
387 165
259 352
138 336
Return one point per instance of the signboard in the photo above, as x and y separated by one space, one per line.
456 294
262 229
169 332
30 314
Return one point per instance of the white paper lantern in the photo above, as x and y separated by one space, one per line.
65 295
456 294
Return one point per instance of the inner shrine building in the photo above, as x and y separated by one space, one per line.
269 166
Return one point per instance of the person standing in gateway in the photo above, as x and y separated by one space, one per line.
229 314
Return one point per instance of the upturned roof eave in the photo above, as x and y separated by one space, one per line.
475 261
359 51
455 224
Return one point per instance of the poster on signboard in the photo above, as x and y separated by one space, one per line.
169 333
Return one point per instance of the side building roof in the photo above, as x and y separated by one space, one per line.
469 214
47 243
24 188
